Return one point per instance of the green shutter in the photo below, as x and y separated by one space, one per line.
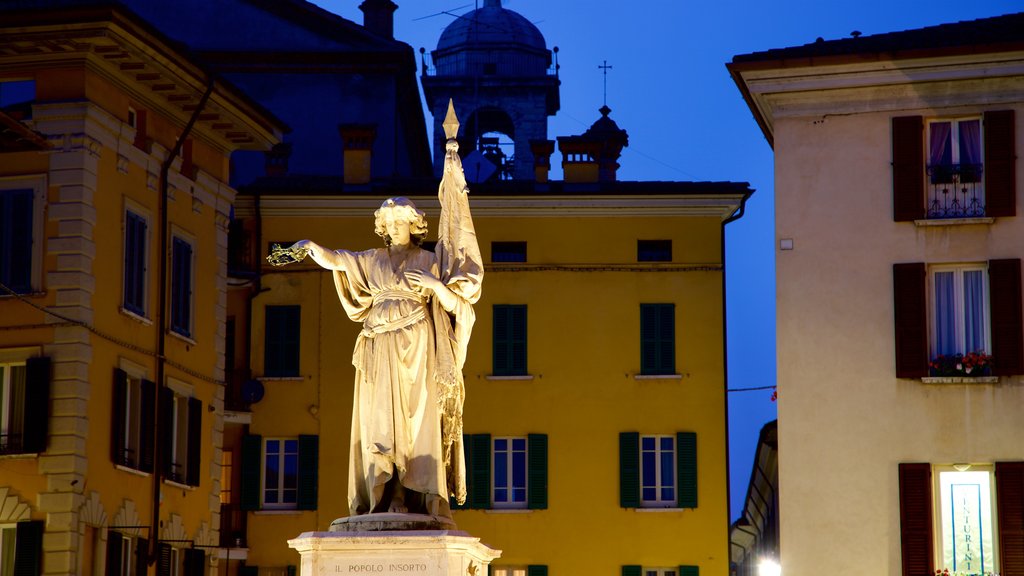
537 471
480 472
686 469
509 340
117 423
147 428
309 458
113 553
689 571
141 555
252 466
537 570
163 559
632 570
629 470
28 548
657 339
37 404
195 441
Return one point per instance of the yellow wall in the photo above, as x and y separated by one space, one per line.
583 352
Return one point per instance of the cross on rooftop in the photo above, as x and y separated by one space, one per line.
604 70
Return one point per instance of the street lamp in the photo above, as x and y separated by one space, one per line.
769 567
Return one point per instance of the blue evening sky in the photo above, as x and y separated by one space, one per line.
668 87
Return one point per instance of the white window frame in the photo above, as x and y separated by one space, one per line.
652 571
14 544
937 513
954 141
958 301
659 502
175 561
137 209
127 561
179 429
38 186
12 357
509 455
280 490
508 570
6 394
133 416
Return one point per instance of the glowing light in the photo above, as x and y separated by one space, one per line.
769 567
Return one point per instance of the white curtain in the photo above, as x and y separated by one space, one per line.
974 311
945 314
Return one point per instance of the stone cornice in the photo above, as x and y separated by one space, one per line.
720 206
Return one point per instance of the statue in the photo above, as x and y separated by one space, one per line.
416 308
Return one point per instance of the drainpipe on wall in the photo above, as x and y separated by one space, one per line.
725 369
162 313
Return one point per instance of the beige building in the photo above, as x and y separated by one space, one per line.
899 297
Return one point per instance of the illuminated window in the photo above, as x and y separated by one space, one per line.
281 473
966 520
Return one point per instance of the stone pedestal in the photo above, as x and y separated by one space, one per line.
368 546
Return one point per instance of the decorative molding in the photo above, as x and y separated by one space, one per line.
534 206
174 529
127 519
91 511
12 507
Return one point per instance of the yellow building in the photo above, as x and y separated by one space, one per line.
595 415
112 301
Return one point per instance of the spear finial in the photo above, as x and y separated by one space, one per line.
451 122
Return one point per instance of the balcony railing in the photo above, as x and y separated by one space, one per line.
955 191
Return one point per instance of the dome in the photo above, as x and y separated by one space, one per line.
491 26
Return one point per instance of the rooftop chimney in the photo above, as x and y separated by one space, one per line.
379 17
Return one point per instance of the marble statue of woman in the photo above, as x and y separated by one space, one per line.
416 311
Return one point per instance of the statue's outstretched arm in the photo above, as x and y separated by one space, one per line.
328 259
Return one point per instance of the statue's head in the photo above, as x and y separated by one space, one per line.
403 209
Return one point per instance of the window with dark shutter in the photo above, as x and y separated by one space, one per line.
686 463
37 404
16 239
252 466
1000 162
478 477
181 287
140 130
911 320
135 263
1006 314
164 560
689 571
537 471
281 341
629 469
195 441
508 251
114 553
632 570
309 458
908 192
148 427
657 339
537 570
1010 498
916 519
141 555
509 340
195 562
118 424
653 250
28 548
165 430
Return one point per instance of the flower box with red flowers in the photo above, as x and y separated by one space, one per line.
972 365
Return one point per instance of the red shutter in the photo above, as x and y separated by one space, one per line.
911 315
1000 157
907 168
916 519
1005 311
1010 497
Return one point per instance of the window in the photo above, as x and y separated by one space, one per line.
182 418
506 472
658 471
176 561
657 339
958 309
509 473
137 120
531 570
16 239
653 250
509 357
968 161
281 341
132 427
181 287
508 251
21 547
15 92
126 555
24 403
135 261
961 518
664 571
279 473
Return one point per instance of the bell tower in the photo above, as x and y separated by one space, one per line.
495 65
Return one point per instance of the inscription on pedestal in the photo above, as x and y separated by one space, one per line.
381 568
